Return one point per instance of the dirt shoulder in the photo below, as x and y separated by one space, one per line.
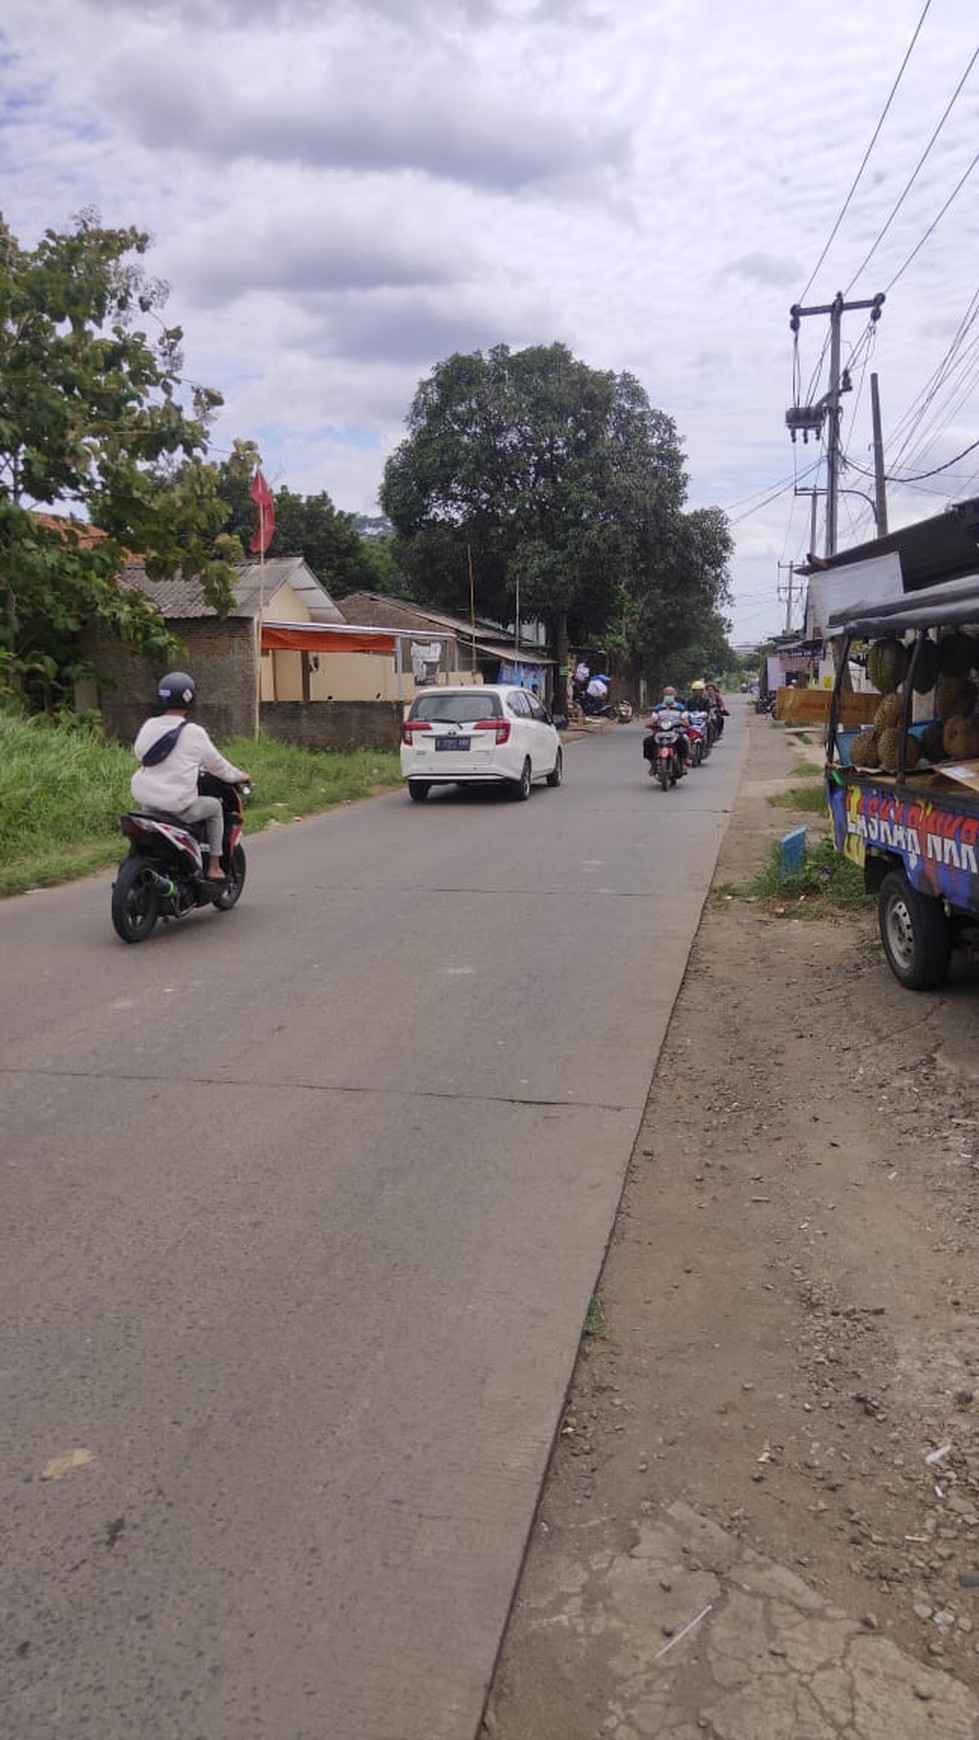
787 1330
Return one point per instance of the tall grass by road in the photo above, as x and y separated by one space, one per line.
63 786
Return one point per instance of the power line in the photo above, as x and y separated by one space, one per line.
866 155
918 478
918 408
913 178
769 487
934 225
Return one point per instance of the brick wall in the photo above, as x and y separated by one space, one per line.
334 724
219 655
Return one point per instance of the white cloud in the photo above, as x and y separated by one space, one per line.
343 191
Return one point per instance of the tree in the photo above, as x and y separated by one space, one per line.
308 526
549 476
674 627
91 422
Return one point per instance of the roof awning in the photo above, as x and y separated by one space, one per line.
949 606
322 637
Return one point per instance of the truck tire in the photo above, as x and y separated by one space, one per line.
915 933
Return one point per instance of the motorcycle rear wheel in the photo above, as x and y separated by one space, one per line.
135 900
664 778
236 881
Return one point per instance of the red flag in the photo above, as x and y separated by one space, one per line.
265 503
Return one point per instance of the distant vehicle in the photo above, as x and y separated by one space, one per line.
486 734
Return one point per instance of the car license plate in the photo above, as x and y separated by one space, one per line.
452 742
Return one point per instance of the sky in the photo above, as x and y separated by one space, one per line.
341 193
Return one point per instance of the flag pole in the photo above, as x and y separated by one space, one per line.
261 610
472 607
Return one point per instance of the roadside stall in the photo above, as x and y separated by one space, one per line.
902 779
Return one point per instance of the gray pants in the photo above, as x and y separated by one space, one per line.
211 811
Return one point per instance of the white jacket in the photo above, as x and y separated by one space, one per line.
172 784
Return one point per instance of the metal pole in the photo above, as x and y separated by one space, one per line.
833 452
472 607
880 486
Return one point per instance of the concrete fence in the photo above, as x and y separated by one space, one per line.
334 724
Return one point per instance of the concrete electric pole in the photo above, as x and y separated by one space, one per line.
810 417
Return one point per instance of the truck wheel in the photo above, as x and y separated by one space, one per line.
915 934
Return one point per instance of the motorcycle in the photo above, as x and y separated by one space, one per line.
163 876
666 763
698 734
623 712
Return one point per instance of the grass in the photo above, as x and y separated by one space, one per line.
811 798
806 770
63 786
595 1324
825 883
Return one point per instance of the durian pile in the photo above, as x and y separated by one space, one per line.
944 666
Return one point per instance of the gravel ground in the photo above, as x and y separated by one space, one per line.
785 1341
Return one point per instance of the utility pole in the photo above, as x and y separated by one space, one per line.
880 487
811 416
788 603
813 495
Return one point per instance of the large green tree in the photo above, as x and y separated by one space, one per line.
675 630
97 428
547 476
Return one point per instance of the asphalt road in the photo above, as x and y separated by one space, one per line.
303 1209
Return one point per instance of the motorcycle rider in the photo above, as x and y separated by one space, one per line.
670 712
172 752
716 701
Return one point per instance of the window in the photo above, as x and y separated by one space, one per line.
518 703
456 707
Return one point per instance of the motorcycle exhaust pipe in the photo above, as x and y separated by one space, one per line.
164 885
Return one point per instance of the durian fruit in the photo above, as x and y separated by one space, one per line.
888 744
889 712
863 750
887 664
960 737
957 654
955 696
926 675
932 746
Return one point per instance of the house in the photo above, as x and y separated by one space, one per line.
465 651
221 651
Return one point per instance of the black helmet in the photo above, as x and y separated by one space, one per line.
177 689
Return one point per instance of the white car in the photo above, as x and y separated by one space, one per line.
486 734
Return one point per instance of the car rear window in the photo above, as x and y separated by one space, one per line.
456 708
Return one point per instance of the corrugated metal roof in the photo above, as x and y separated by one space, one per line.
387 612
931 551
182 600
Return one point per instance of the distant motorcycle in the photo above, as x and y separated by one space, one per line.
623 712
698 733
163 876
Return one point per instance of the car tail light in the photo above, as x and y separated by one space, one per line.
500 726
411 725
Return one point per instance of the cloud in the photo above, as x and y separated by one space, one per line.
330 118
759 268
343 192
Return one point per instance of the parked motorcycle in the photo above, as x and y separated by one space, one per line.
163 876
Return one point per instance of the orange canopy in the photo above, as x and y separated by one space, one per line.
314 637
